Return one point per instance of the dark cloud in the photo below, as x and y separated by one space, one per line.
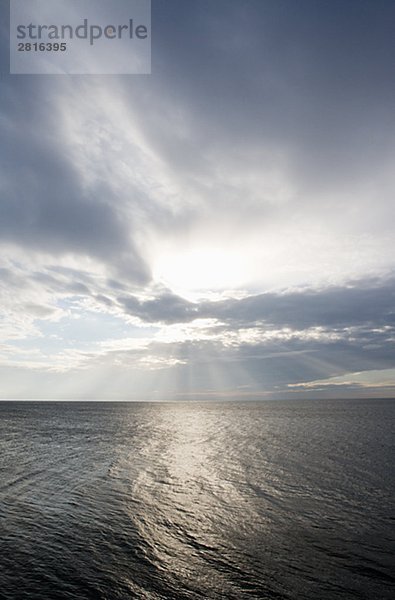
299 336
367 302
167 308
45 205
272 364
258 85
313 76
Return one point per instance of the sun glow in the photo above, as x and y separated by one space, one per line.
202 269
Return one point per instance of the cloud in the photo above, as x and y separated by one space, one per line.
167 308
368 302
263 139
365 302
46 207
70 319
269 82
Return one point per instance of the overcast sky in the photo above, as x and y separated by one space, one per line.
222 228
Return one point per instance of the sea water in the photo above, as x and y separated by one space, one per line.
283 500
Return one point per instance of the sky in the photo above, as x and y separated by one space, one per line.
220 229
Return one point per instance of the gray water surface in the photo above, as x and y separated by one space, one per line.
283 500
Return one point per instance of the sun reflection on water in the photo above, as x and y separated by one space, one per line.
185 502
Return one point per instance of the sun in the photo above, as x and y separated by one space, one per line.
200 270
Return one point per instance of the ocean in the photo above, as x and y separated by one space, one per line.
255 500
